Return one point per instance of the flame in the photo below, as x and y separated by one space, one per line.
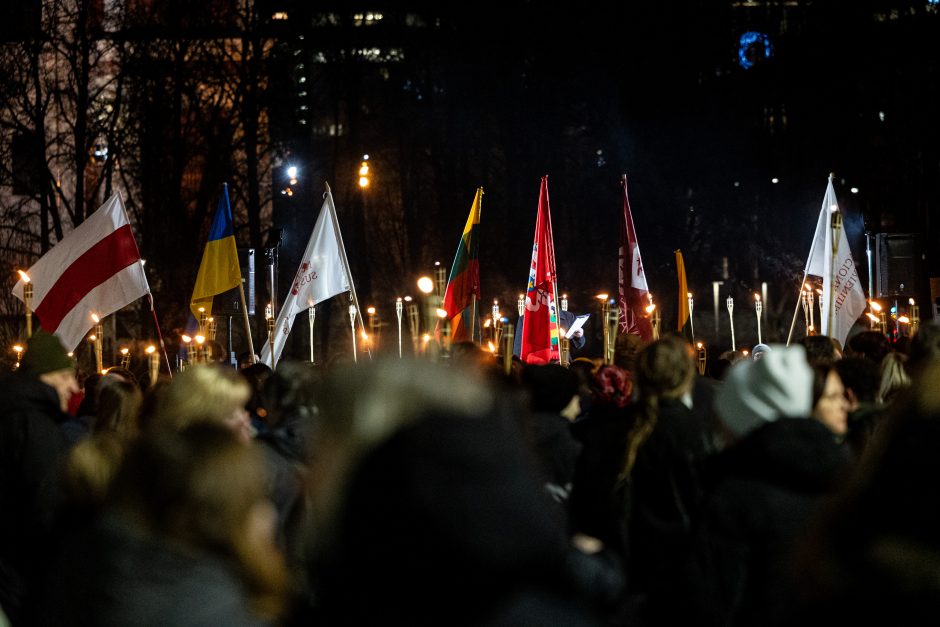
871 316
904 320
95 318
124 351
875 306
200 339
491 347
187 339
756 296
151 350
23 276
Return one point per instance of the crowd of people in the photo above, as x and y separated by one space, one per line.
791 486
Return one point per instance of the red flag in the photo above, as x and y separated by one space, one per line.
96 269
634 294
540 320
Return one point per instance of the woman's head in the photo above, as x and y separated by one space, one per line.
665 368
204 394
830 405
200 487
119 403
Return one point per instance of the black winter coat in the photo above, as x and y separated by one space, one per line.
32 449
767 488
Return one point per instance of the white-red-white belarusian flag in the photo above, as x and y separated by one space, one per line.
96 269
322 274
843 300
633 292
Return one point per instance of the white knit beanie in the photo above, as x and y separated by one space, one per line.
778 385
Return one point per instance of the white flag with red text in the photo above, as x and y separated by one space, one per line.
321 275
96 269
843 300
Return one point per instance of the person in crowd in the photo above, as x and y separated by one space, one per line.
427 510
925 347
830 405
873 558
763 490
593 511
78 426
256 375
659 481
554 404
759 351
187 540
93 462
289 396
565 320
205 393
894 377
821 349
32 450
870 345
861 378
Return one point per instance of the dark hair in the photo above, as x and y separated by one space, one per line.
119 404
665 369
819 350
820 374
551 387
925 347
862 376
872 345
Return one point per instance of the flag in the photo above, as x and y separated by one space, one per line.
321 274
96 269
539 320
843 300
219 270
633 292
685 319
464 281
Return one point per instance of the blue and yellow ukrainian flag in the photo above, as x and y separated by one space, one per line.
219 270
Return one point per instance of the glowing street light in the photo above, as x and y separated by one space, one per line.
364 176
425 284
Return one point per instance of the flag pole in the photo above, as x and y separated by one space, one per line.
796 310
473 319
345 260
156 323
251 345
835 225
312 316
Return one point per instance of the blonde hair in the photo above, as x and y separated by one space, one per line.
199 394
894 377
201 487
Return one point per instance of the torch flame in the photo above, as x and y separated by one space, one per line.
23 276
491 347
151 349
